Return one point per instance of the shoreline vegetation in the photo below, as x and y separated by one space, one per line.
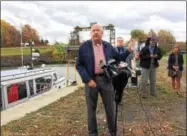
11 57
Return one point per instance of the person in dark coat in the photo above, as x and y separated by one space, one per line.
149 56
175 68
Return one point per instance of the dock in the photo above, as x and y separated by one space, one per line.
34 104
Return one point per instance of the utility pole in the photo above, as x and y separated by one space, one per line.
31 43
21 41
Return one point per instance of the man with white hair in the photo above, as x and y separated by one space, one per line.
90 54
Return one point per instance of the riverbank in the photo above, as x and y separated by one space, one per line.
34 104
16 60
67 116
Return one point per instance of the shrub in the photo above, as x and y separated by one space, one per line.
36 50
163 51
59 53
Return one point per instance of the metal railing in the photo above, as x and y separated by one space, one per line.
31 71
74 47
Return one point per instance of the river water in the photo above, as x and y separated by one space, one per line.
62 70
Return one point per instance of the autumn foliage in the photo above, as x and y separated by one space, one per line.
29 33
11 37
165 38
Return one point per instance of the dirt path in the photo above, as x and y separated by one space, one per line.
67 117
167 112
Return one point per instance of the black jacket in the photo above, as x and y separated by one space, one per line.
145 59
171 61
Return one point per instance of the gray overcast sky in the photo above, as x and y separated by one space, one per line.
54 20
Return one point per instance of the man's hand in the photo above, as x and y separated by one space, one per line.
137 56
153 56
131 44
92 84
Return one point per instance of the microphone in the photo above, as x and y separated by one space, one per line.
104 67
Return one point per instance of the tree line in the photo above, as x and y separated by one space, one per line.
11 37
165 38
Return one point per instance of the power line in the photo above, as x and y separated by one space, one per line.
148 121
147 118
122 119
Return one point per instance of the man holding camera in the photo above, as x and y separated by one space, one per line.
90 54
130 59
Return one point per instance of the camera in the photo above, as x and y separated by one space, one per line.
113 69
118 74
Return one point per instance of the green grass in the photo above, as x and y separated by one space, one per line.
68 117
26 50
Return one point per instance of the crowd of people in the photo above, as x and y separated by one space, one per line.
95 50
148 55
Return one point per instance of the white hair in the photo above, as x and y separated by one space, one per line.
120 38
98 25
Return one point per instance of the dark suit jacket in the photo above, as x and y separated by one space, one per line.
172 59
85 62
145 59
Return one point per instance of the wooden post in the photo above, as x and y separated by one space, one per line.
67 81
75 78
